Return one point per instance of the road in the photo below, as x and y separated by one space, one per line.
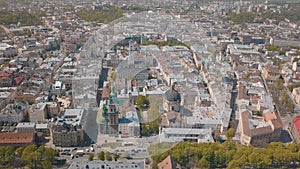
91 127
137 150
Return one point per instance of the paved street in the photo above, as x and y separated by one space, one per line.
138 149
91 127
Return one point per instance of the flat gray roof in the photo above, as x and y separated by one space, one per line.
128 164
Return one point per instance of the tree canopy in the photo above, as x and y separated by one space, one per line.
91 156
232 155
142 101
23 17
230 133
150 128
31 156
165 43
101 156
100 16
108 156
242 18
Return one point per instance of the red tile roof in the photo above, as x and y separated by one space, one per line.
296 123
105 93
168 163
16 138
269 116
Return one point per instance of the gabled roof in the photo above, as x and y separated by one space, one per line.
168 163
296 123
16 138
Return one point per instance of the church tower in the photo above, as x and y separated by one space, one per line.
113 116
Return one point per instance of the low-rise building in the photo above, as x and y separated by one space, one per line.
295 129
175 135
296 94
130 125
68 129
7 95
42 128
271 73
13 112
168 163
41 111
259 132
171 100
16 139
26 127
132 164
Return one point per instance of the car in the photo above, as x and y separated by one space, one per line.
74 149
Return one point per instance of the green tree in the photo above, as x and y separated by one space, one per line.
91 156
50 154
293 147
116 156
38 157
258 160
237 163
101 156
258 113
28 157
282 158
108 156
154 126
165 43
273 48
142 102
113 75
100 16
32 156
24 17
203 163
9 154
230 133
6 155
276 146
220 158
242 18
144 129
150 127
19 151
35 159
47 165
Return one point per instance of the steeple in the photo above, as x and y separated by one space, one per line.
113 95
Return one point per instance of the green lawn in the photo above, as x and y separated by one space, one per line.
159 148
100 118
112 145
153 111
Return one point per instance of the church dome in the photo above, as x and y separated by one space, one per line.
172 96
